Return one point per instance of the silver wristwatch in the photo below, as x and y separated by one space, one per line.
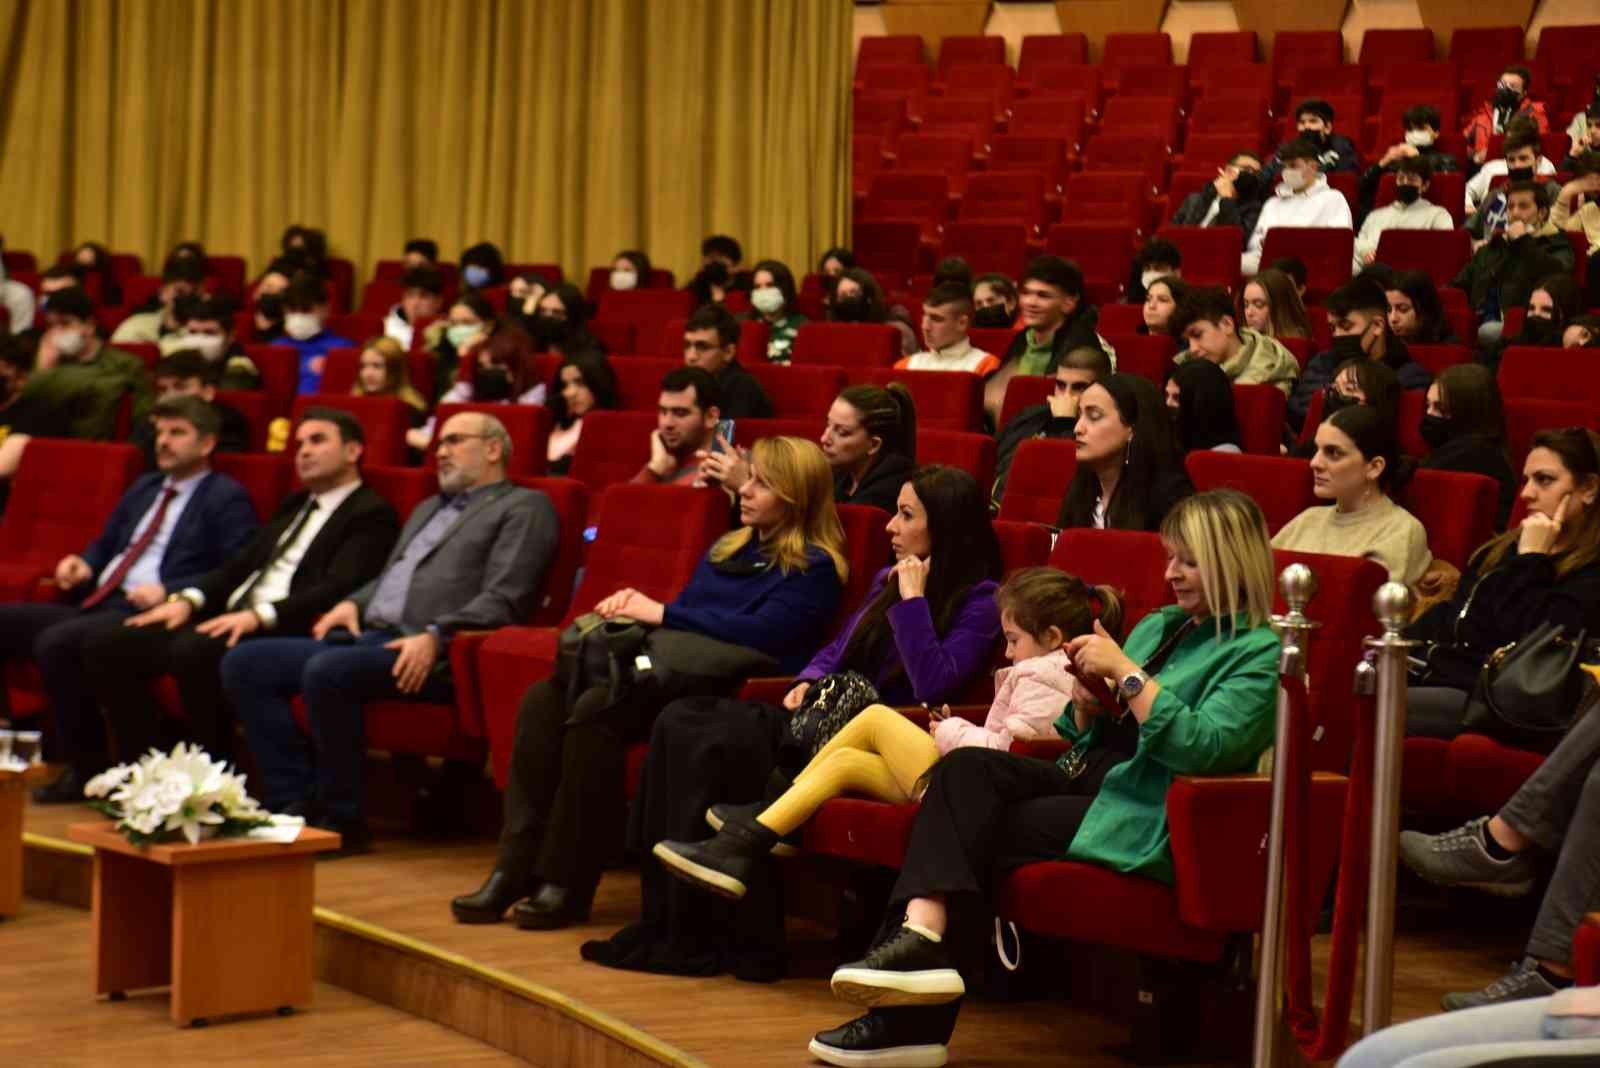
1131 684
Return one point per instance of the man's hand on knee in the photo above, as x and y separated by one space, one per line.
415 662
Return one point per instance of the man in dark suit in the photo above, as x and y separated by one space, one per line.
470 557
170 528
324 542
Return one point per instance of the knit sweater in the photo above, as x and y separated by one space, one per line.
1421 214
1381 531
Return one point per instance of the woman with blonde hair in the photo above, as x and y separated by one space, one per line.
772 585
1193 693
382 371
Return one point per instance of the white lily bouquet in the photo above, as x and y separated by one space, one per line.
184 794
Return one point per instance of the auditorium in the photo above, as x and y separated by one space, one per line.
876 533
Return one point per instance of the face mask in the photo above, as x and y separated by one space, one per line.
491 384
715 273
69 343
622 281
475 276
1520 174
1419 138
1148 278
766 300
207 345
850 310
301 325
1333 400
5 390
1537 330
1295 179
993 317
1407 194
1348 347
1316 137
546 328
458 334
1435 430
1247 184
1506 97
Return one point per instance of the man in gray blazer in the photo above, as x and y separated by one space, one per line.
469 558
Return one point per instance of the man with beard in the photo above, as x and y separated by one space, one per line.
687 413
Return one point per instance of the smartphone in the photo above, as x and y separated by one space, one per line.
724 432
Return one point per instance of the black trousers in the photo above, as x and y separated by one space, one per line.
564 809
55 637
1435 711
128 660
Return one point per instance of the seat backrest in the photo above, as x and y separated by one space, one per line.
1326 252
528 425
616 337
1380 48
1259 410
961 49
1210 253
934 152
340 370
1321 80
988 247
1281 485
891 247
571 501
746 432
1293 50
1131 49
898 48
847 345
1054 118
1549 374
914 196
1438 357
945 400
1065 80
1120 318
1041 471
648 311
614 446
265 476
256 407
1564 50
1103 252
973 453
1147 355
1458 510
1024 391
1022 544
1487 45
61 495
280 373
1222 49
800 392
384 419
1146 114
403 487
1440 253
1131 561
394 270
599 283
649 538
866 538
1011 196
1526 416
1039 49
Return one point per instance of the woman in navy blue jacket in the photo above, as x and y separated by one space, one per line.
771 585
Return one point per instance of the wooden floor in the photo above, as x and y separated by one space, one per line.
405 886
47 1016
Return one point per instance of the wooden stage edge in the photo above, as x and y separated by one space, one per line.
521 1018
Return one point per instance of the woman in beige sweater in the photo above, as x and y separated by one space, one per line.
1354 467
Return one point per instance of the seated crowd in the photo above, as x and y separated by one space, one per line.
332 599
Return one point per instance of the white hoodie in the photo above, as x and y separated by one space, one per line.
1319 204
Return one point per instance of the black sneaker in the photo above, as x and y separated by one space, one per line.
904 969
881 1040
717 815
1523 982
723 864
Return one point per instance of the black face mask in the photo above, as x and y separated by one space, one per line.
546 328
1436 430
994 317
850 310
5 390
1537 330
715 273
1333 401
1246 185
1348 347
1520 174
491 384
1407 194
1506 98
1316 137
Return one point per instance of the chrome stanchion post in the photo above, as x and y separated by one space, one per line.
1392 605
1299 586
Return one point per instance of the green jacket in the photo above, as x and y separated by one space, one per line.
1261 360
88 394
1215 715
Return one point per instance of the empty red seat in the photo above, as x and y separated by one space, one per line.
1073 80
256 407
846 345
1120 318
1239 79
1325 80
1440 253
615 446
949 154
1041 470
1161 81
1294 50
1438 357
890 247
1493 46
1144 115
879 114
1383 50
1564 53
1051 117
906 196
945 400
1021 152
1141 154
1230 49
893 48
1011 196
280 373
647 311
1280 485
994 82
910 80
1024 391
973 453
1147 355
1526 416
1104 252
962 114
1259 411
1041 49
997 247
639 381
800 392
1210 253
965 49
866 159
1110 198
1326 253
1234 122
1134 49
1021 544
384 419
1549 374
648 537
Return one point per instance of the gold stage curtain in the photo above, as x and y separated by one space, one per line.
561 130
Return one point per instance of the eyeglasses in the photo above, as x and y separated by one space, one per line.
450 441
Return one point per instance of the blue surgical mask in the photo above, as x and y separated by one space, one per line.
475 276
460 333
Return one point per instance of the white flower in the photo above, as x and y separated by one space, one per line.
105 782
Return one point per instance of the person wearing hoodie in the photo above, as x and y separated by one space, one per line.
1411 210
1233 198
1503 273
1303 197
1058 318
1421 141
1313 121
1358 317
1205 320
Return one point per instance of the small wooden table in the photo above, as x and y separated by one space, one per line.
14 787
226 923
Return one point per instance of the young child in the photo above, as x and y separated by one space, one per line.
884 756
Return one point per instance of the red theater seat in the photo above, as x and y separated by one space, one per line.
1103 252
973 453
1457 509
266 477
1437 358
1527 416
403 487
1259 410
256 407
889 247
945 400
1207 50
747 432
1041 471
614 447
1147 355
851 346
800 392
1326 252
61 496
961 49
1022 544
1537 373
384 419
1041 49
1134 49
280 373
988 247
1279 484
1024 391
879 49
647 311
639 381
648 537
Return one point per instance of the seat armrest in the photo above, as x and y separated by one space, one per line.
1586 951
464 646
770 690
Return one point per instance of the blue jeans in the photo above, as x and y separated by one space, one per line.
263 674
1474 1036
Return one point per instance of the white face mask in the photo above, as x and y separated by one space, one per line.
1419 138
624 280
69 343
301 325
1148 278
1295 179
766 299
207 345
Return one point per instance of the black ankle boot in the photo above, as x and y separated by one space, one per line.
550 907
717 815
489 902
725 863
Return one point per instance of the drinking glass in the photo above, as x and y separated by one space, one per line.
26 747
7 740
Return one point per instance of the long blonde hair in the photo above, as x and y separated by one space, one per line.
396 376
1225 533
798 473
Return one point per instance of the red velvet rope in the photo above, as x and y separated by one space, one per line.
1325 1038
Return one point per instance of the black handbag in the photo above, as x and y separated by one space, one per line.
830 703
595 651
1529 692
